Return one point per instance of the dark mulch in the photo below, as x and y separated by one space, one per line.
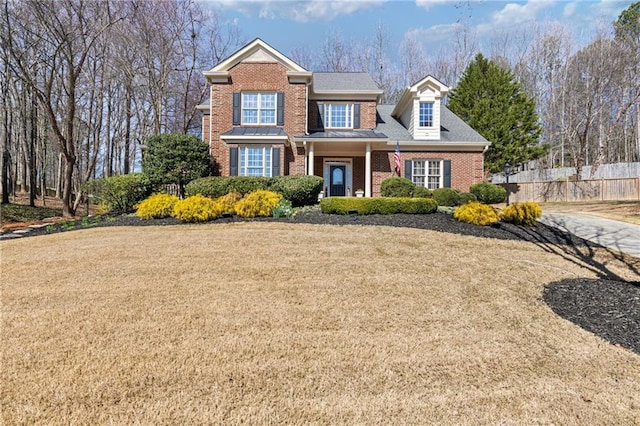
608 307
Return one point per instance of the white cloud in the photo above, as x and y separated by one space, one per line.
570 9
300 11
515 13
427 4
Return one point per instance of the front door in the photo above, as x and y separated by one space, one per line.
338 181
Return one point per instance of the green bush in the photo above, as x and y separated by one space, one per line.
397 187
212 187
522 213
488 193
283 209
299 190
477 214
157 206
386 205
447 197
466 197
196 208
258 203
422 192
119 194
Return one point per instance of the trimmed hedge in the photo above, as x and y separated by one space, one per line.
488 193
300 190
119 194
447 197
397 187
382 205
422 192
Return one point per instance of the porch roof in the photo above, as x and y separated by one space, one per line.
344 135
251 132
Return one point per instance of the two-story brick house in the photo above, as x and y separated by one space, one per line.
268 116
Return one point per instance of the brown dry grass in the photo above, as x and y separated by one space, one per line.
229 324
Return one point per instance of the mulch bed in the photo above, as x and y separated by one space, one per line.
608 307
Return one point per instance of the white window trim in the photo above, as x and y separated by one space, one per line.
432 115
259 109
243 163
349 116
426 176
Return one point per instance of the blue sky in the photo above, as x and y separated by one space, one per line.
287 25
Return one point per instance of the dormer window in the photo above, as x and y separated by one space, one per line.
338 116
258 108
426 114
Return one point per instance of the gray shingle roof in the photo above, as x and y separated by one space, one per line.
344 82
256 131
452 128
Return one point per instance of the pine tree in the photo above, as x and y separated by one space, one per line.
490 100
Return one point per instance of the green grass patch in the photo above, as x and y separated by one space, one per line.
21 213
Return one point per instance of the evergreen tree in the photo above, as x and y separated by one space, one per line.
490 100
175 159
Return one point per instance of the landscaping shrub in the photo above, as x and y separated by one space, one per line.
397 187
299 190
466 197
422 192
447 197
119 194
386 205
488 193
246 184
283 209
196 208
157 206
258 203
477 213
227 203
212 187
522 213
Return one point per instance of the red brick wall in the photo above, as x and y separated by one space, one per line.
258 77
466 167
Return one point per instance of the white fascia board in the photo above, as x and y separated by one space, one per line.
217 76
251 48
299 76
441 146
341 140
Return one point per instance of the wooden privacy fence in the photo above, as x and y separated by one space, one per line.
583 190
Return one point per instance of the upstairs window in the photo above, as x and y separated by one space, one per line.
259 108
338 116
426 114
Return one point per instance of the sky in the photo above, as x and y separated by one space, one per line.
288 25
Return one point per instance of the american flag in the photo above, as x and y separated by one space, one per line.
396 157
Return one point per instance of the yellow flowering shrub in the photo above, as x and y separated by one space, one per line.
477 214
522 213
197 209
157 206
228 202
258 203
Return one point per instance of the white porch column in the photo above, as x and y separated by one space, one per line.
367 171
310 160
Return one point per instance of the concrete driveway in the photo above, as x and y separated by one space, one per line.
621 236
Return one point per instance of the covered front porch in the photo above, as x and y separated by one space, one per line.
346 167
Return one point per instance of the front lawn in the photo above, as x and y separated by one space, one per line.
280 323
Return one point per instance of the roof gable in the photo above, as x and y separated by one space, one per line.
255 51
428 87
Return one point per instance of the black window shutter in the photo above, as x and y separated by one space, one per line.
236 108
446 174
275 162
233 161
356 116
320 115
280 111
407 169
